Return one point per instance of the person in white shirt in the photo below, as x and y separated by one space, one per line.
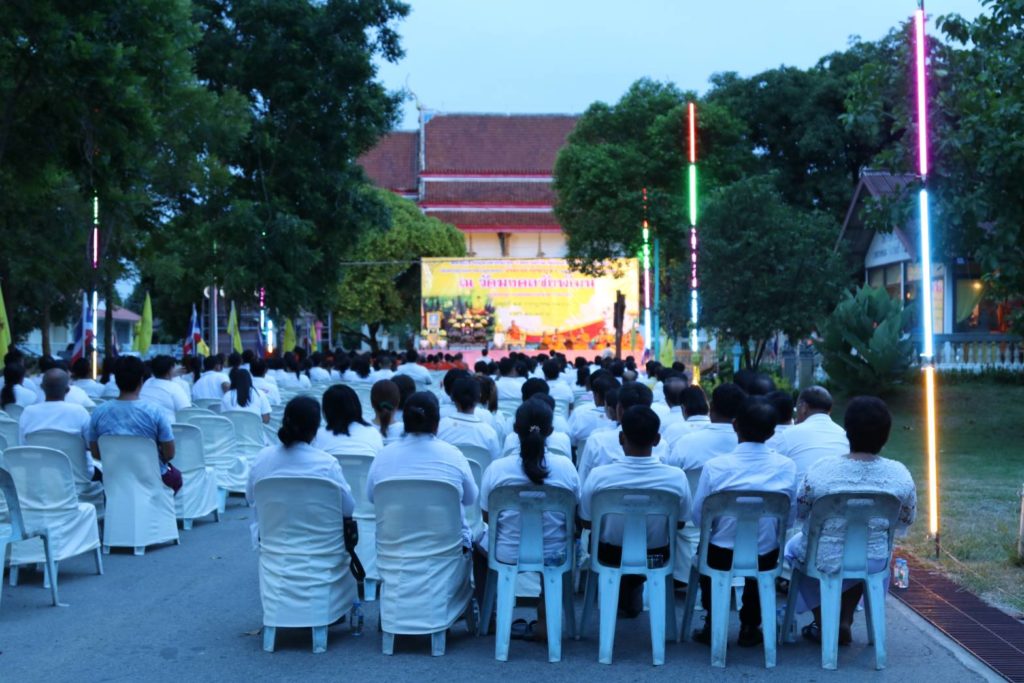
605 446
694 449
637 469
360 372
292 378
413 369
75 395
530 467
557 443
589 418
385 368
535 386
558 389
258 370
510 383
81 376
14 390
386 399
419 454
751 466
162 391
815 435
56 413
321 370
867 423
695 413
346 430
213 382
296 457
243 396
673 387
782 401
448 407
464 428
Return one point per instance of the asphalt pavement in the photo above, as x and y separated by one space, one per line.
192 613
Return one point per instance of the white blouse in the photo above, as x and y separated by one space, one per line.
359 436
258 402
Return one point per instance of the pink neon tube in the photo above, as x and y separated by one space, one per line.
693 136
922 112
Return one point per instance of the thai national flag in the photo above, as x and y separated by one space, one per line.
195 335
83 332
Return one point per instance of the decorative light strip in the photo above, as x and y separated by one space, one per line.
694 282
647 274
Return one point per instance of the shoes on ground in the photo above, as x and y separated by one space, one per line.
750 636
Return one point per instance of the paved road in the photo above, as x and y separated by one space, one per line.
192 613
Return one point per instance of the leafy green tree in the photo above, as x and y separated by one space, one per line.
766 266
863 344
381 285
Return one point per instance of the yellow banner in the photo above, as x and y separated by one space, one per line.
528 303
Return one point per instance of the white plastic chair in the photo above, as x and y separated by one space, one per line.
14 411
71 445
14 531
355 465
47 498
425 574
185 415
634 506
199 495
212 404
219 451
305 580
748 508
140 509
857 509
9 431
687 538
249 433
530 502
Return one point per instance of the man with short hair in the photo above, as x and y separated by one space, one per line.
75 395
604 447
782 401
81 376
590 418
411 367
56 413
127 415
638 468
510 383
815 435
267 385
692 450
751 466
557 388
673 387
162 391
213 383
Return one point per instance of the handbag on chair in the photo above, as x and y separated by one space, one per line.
351 531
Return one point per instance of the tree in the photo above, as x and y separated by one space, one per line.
766 266
381 286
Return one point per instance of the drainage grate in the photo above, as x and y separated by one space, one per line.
990 635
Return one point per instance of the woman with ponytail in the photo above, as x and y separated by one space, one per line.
531 466
384 399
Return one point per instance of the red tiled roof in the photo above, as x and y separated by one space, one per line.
492 220
392 164
442 192
495 143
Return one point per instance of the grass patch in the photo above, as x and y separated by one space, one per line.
981 469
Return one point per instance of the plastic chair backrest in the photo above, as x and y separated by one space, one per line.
856 510
477 454
43 478
299 516
70 445
212 404
14 521
185 415
219 438
748 508
3 446
130 460
188 447
356 468
531 502
635 506
417 518
14 411
248 429
692 478
9 430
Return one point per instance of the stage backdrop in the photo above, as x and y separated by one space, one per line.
511 303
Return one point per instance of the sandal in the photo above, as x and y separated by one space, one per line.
522 629
812 632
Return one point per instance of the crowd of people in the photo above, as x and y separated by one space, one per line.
586 427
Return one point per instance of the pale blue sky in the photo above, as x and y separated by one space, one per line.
558 56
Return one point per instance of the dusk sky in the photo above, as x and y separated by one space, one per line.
558 56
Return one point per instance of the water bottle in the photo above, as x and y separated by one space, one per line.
901 573
356 618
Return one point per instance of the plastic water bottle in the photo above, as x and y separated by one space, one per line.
356 618
901 573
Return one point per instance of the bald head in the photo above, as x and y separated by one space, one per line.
55 384
813 401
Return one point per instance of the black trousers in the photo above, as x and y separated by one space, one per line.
721 558
630 598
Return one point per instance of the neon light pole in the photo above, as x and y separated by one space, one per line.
928 342
646 275
694 283
95 280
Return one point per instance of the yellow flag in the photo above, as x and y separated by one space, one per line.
144 331
668 353
314 341
203 348
288 342
5 329
236 334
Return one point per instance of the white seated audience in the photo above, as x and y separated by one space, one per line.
695 413
244 396
557 388
360 372
75 394
815 435
750 466
385 399
296 457
385 368
672 390
162 391
535 386
291 378
782 401
511 379
14 390
691 451
638 468
419 454
867 423
321 370
465 428
588 418
81 377
412 368
56 413
213 383
446 403
557 443
267 385
346 430
605 446
110 389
